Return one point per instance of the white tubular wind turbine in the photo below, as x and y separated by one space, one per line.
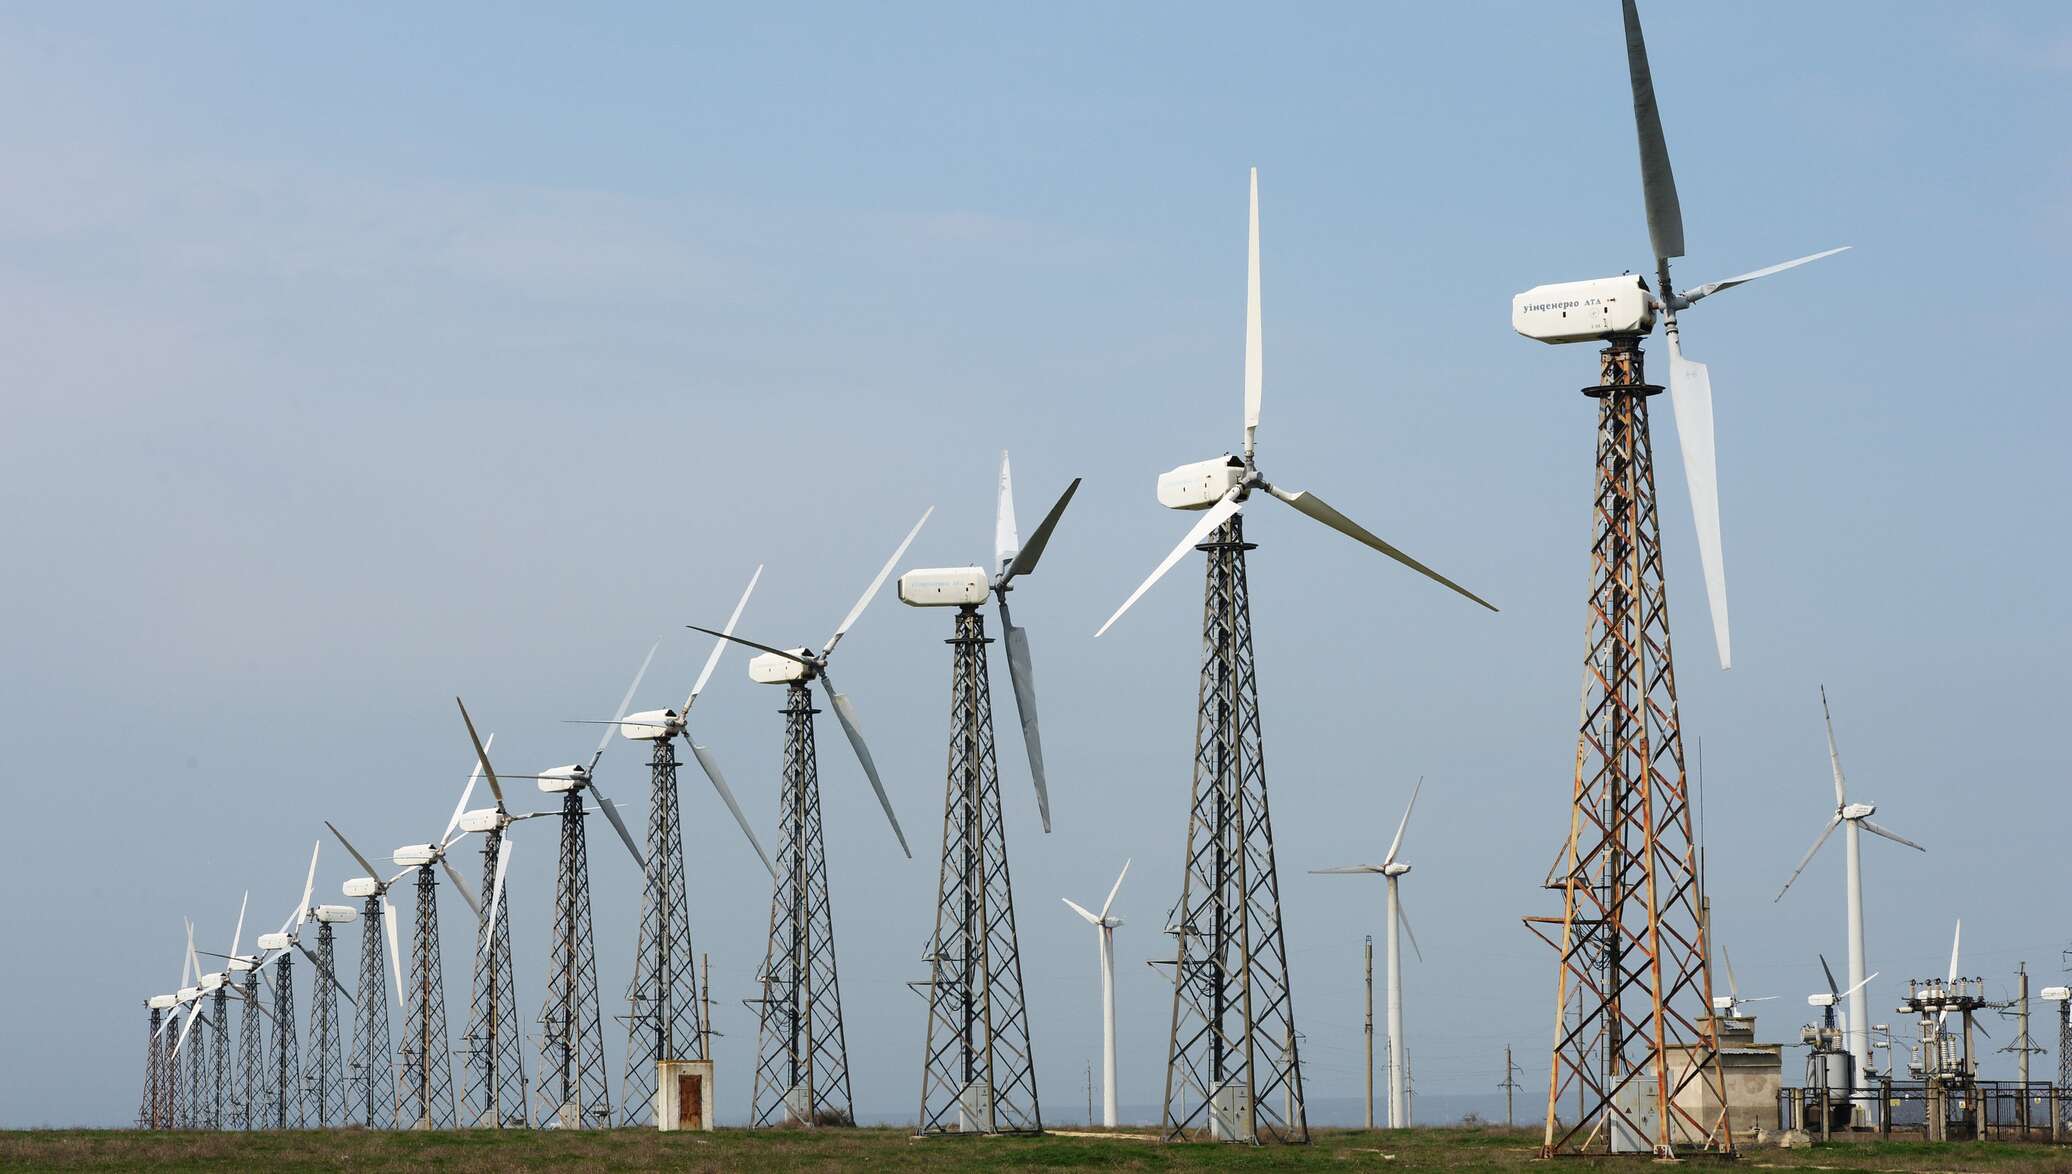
1854 818
1392 870
1104 925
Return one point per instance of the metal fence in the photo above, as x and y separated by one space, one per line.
1986 1110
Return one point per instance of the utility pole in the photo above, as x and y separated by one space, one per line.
1370 1031
1509 1085
1089 1094
2021 1045
705 1009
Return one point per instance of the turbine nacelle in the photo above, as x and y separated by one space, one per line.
651 725
1859 810
1824 999
361 886
1585 311
945 587
243 963
1396 869
2057 994
273 943
1201 484
212 982
481 819
162 1002
774 669
407 856
189 993
336 914
558 781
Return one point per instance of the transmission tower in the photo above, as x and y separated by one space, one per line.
571 1081
802 1059
251 1093
1232 1066
662 1020
494 1047
978 1073
425 1087
1631 937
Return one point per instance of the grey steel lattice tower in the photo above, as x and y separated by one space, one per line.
251 1092
286 1111
493 1052
665 1009
1232 1067
219 1040
978 1069
802 1056
425 1079
199 1095
147 1101
370 1073
571 1079
325 1078
157 1109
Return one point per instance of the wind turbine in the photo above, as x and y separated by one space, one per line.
571 1079
1623 308
1853 818
1233 1032
286 1081
978 1070
190 1111
1830 1054
1732 1004
495 1056
664 1020
371 1090
1104 928
1392 870
802 1058
425 1083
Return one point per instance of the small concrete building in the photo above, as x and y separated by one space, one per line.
1754 1078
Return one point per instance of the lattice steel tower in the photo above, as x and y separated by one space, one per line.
1636 1042
370 1075
285 1082
978 1072
492 1051
425 1083
326 1075
662 1017
156 1110
571 1082
253 1091
665 1009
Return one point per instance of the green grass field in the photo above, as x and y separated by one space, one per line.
889 1149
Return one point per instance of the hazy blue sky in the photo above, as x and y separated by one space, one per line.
359 358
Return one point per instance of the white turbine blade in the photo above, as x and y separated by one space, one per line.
187 964
193 959
611 812
481 760
1255 345
1834 757
1852 990
326 972
352 852
1825 832
1403 919
719 646
496 892
1657 182
788 655
462 885
1889 834
1115 888
1315 507
192 1016
1007 538
388 924
625 703
1690 396
1215 516
466 793
1080 910
1712 287
238 936
1347 870
309 883
1397 843
1026 558
871 592
1733 988
1955 939
1021 673
846 714
726 795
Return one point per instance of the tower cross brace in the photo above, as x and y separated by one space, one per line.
663 1019
493 1047
571 1083
371 1075
425 1084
